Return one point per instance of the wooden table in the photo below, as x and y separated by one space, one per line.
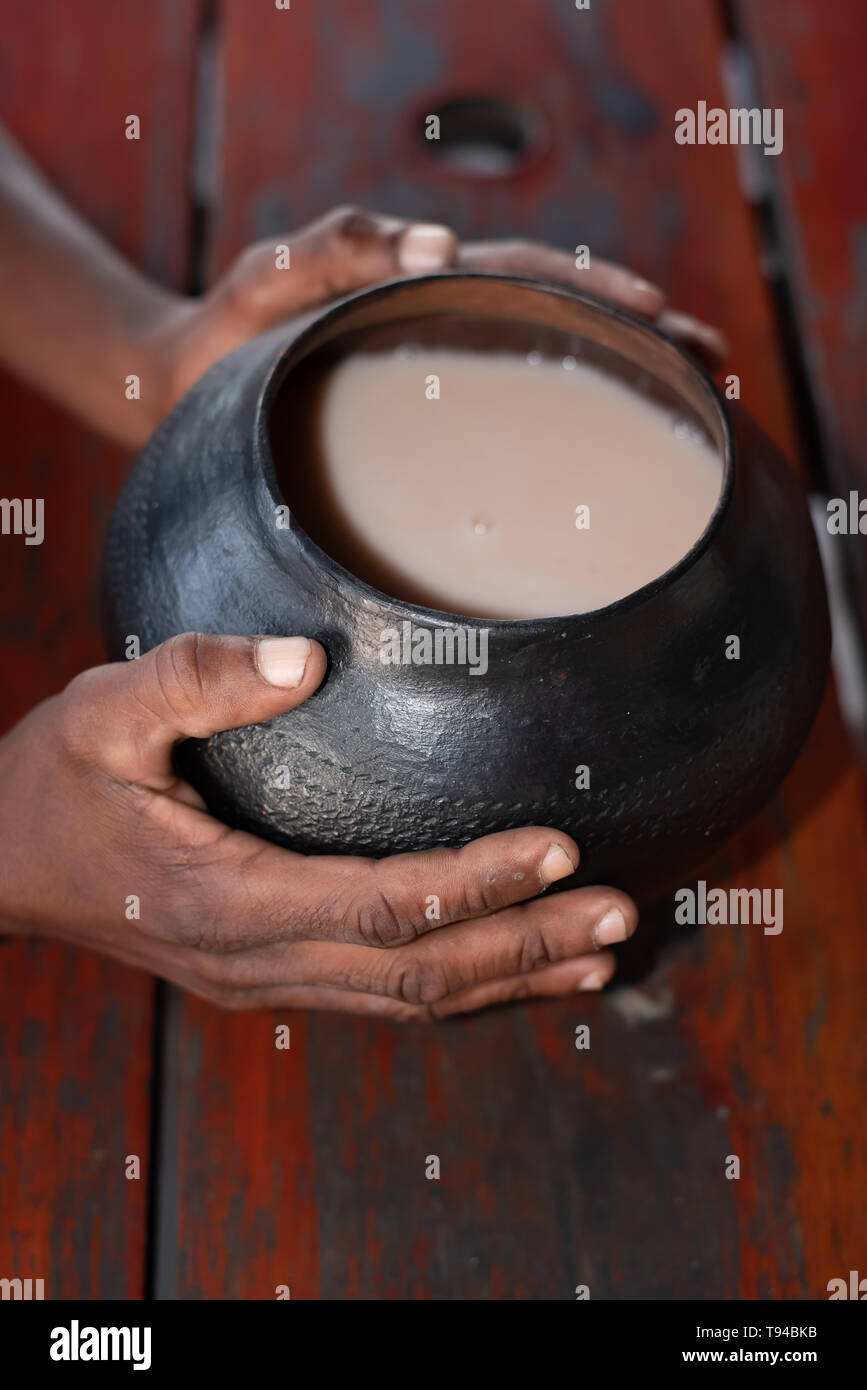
559 1167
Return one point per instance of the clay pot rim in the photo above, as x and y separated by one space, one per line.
402 609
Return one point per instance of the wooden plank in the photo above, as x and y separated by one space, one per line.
808 62
559 1167
76 1031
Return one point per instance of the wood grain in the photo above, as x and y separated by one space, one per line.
76 1031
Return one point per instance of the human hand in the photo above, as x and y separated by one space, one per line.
350 249
606 280
104 846
132 347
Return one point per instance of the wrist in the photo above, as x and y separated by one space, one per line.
152 356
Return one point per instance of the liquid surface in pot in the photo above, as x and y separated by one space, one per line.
496 485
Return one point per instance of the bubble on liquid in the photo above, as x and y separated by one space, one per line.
570 363
480 526
534 358
684 429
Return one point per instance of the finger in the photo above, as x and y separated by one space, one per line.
268 979
130 714
706 342
272 895
602 278
516 941
344 251
556 981
581 975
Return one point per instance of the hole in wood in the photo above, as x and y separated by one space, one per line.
483 137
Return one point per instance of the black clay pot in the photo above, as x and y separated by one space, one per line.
681 743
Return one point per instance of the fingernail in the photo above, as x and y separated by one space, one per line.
282 660
556 864
595 980
424 248
610 928
645 287
716 341
680 325
711 337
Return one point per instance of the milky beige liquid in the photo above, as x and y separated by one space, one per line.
467 503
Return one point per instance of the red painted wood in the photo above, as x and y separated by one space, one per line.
76 1031
558 1166
248 1209
808 60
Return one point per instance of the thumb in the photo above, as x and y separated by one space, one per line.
127 716
346 250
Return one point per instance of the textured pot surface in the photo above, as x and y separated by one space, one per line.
681 743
